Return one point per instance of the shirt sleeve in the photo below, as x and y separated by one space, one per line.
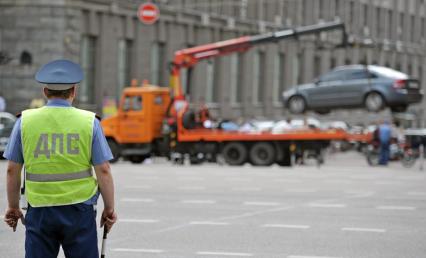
13 150
100 149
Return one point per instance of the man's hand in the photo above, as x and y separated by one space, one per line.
12 217
108 219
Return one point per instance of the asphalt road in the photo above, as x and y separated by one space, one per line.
343 209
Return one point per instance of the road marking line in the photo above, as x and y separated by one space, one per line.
408 208
191 188
337 181
286 226
304 256
232 217
327 205
411 178
139 187
225 254
362 177
191 179
237 179
208 223
387 183
360 194
199 201
288 180
247 189
138 220
148 178
301 190
136 200
262 203
375 230
417 193
154 251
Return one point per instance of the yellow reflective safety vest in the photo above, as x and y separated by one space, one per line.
57 145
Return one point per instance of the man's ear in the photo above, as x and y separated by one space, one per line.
45 91
74 91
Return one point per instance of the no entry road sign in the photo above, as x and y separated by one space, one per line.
148 13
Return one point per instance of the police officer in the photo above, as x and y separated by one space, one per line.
58 145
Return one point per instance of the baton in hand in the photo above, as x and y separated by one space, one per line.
104 240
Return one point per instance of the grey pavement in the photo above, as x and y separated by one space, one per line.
343 209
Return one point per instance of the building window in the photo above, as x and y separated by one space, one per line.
366 18
123 65
410 69
322 10
317 65
282 81
412 28
210 78
157 61
296 66
379 24
276 79
337 7
352 13
258 76
240 75
389 25
279 77
400 28
234 77
333 63
300 67
87 61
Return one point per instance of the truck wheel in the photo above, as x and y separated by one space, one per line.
262 154
115 150
137 159
234 153
285 161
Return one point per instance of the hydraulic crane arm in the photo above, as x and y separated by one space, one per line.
189 57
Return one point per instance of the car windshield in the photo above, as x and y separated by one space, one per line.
387 72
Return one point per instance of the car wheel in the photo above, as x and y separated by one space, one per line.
234 153
399 109
262 154
115 150
297 104
374 102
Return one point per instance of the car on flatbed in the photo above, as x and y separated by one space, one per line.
355 86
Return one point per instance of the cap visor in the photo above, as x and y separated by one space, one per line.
59 86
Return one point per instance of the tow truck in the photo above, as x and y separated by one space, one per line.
158 121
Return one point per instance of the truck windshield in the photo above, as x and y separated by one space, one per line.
132 103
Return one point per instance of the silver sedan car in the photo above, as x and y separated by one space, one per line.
355 86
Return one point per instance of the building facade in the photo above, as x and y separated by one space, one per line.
113 46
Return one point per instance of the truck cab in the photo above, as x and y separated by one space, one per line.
135 131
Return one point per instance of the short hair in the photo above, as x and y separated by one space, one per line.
63 94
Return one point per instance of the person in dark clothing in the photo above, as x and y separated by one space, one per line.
385 132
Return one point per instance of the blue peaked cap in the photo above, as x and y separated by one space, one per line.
60 72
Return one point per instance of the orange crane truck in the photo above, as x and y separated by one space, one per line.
157 121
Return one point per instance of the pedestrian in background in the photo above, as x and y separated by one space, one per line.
58 145
385 135
2 104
